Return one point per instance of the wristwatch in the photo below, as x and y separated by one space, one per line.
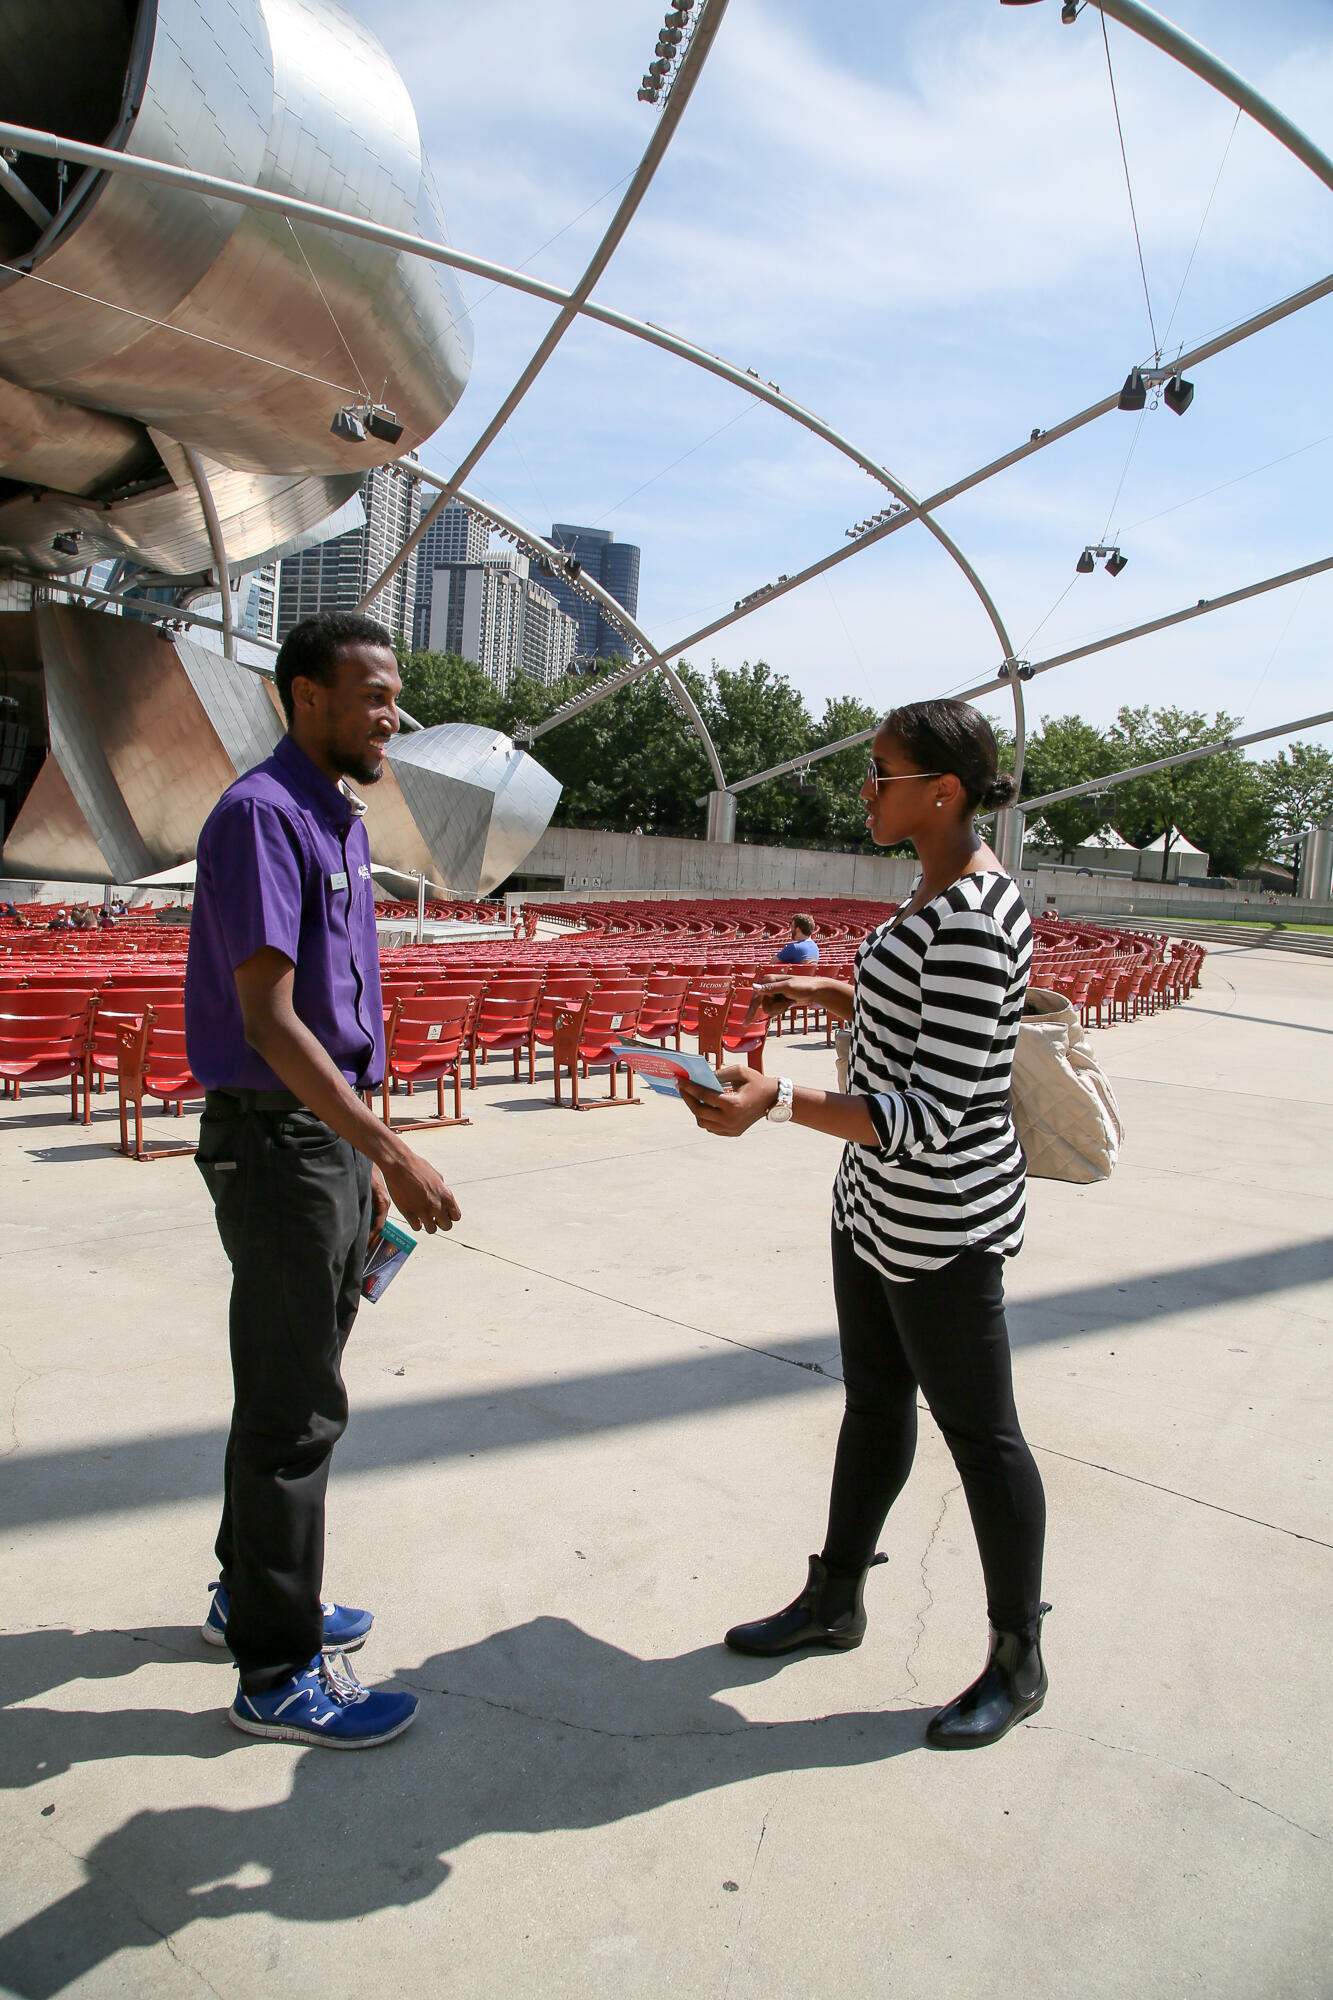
782 1110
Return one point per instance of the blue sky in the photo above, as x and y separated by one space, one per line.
915 220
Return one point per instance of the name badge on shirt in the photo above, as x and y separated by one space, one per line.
338 881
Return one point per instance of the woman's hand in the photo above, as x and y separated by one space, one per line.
747 1097
790 989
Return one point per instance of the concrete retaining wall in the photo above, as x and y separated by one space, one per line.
601 867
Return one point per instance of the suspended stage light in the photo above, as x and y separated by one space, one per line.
1178 395
65 544
1085 564
347 426
1135 392
383 424
1115 562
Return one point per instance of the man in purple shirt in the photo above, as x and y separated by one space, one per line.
284 1025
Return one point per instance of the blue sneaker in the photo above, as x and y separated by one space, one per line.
325 1704
344 1628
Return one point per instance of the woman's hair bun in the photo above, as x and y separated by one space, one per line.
1001 793
953 736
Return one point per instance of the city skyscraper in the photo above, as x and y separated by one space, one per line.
334 575
613 564
494 613
455 536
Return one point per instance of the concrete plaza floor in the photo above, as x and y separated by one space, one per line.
592 1429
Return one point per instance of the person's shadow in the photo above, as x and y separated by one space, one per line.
537 1728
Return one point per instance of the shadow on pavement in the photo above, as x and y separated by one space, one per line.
535 1729
165 1469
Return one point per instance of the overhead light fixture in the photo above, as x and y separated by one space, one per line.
572 566
382 424
1095 553
1069 13
348 426
66 544
1135 392
1178 394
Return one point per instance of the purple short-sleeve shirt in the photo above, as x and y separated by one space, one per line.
283 860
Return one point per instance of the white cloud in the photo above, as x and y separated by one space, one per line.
917 224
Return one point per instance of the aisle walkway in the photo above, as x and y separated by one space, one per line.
589 1432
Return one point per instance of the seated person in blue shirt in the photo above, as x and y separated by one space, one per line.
802 950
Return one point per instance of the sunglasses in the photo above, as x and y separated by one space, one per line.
876 778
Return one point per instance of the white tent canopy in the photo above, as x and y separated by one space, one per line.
179 877
1106 836
1179 844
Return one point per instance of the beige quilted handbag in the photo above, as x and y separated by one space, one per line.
1064 1107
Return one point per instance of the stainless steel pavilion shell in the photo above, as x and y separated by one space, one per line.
145 731
272 328
481 804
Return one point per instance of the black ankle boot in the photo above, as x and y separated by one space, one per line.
830 1611
1012 1686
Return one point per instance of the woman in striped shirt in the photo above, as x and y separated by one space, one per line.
928 1202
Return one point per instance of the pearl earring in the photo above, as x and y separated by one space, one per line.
938 804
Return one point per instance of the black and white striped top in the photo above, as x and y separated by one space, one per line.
939 996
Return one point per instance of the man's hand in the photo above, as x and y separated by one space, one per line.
379 1205
747 1097
419 1191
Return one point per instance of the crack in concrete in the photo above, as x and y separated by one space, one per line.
743 1728
1189 1770
155 1930
1174 1492
929 1604
26 1375
648 1312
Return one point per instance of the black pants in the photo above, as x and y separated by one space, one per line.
293 1211
944 1333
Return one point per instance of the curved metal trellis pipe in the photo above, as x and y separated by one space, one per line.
1201 609
1182 48
537 545
701 41
51 145
1141 19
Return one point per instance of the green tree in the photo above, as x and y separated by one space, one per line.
1219 802
830 812
757 718
1066 750
1298 791
442 687
629 761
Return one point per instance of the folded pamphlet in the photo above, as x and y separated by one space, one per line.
386 1259
663 1069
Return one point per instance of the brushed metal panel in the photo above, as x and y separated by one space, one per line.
50 838
50 442
294 95
238 706
154 737
480 803
77 747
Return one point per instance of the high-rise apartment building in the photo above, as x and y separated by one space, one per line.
613 564
334 575
494 613
456 535
259 607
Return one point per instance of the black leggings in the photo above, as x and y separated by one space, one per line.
943 1332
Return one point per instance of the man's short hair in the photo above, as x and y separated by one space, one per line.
313 646
804 923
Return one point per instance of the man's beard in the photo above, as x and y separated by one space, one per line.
365 770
